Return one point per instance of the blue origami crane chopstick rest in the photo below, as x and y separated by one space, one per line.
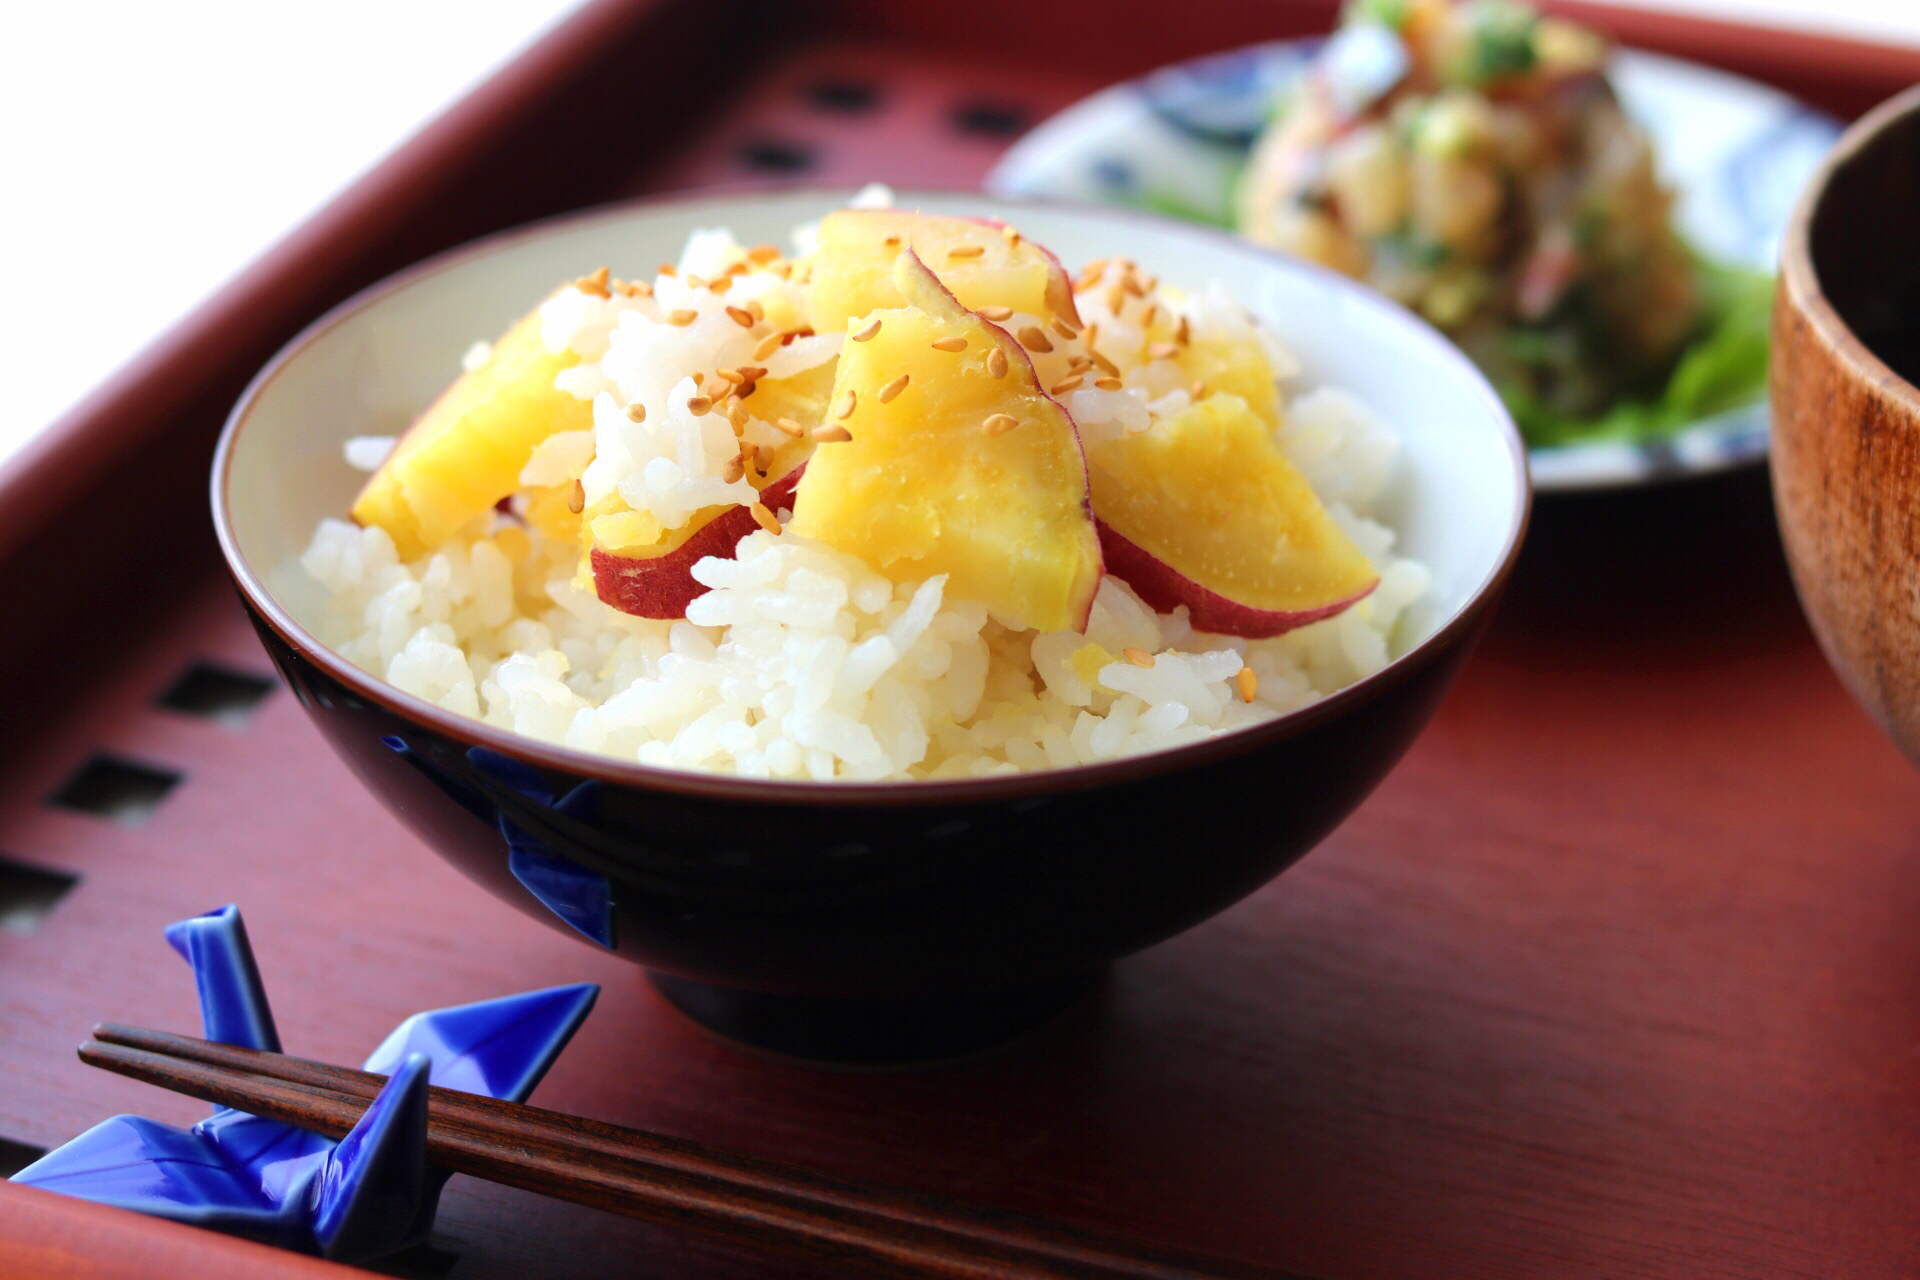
369 1194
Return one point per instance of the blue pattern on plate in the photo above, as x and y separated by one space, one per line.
1763 176
1224 99
367 1195
1176 138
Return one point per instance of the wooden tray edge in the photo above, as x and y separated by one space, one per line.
53 1237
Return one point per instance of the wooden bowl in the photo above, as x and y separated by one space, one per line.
872 921
1846 415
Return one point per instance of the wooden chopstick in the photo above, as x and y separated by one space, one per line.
754 1203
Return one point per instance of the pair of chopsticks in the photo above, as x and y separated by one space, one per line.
755 1203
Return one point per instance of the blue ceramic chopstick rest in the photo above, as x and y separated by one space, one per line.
372 1192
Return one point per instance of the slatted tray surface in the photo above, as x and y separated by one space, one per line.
1616 975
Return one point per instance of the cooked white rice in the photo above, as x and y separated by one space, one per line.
802 662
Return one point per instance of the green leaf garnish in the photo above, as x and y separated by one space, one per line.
1724 368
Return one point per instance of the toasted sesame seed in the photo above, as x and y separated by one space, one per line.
1247 683
1103 364
1147 316
1138 657
1069 383
697 405
847 404
696 281
666 269
866 332
999 424
767 346
577 499
1163 351
640 289
636 412
1107 384
997 363
789 426
1095 268
1064 328
762 253
996 314
1012 236
598 288
720 284
698 378
735 469
749 450
765 518
949 344
731 375
1078 364
894 388
1198 391
966 251
1132 285
741 316
756 310
891 242
682 316
1033 339
1150 283
737 416
1182 333
831 435
1116 298
753 372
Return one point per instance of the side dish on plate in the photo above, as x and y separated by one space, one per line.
1473 162
911 501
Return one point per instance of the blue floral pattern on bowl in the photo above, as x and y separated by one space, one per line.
1737 152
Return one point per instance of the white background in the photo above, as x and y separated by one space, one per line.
149 150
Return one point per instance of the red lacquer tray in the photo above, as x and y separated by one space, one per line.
1618 974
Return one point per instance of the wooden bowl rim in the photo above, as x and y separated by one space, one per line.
1801 289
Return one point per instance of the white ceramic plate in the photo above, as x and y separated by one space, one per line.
1737 152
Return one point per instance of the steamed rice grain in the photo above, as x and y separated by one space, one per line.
800 661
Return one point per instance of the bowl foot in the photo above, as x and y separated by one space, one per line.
871 1032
